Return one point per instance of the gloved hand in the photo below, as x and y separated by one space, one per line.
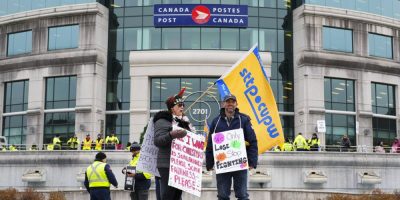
178 133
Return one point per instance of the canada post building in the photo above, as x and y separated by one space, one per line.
94 67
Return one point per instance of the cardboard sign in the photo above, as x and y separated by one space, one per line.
186 163
129 181
148 153
229 151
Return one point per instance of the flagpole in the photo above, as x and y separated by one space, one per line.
202 94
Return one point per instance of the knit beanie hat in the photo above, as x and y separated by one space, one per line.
100 156
173 100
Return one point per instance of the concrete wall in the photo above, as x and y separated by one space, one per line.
279 171
88 62
312 63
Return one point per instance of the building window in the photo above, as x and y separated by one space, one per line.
337 39
118 123
205 108
383 99
384 130
339 94
16 96
62 124
60 92
338 125
288 126
19 43
63 37
380 46
14 129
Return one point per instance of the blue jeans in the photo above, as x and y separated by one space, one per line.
224 183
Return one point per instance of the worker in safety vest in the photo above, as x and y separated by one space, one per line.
87 143
112 141
99 177
142 179
313 143
300 143
288 146
57 142
99 142
13 148
73 142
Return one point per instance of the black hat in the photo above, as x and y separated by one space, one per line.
135 147
229 96
100 156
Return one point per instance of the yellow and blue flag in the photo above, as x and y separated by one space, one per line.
247 80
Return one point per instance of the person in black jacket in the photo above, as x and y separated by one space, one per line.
229 119
163 136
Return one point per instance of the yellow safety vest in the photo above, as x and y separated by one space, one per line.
50 147
134 162
73 143
112 140
96 175
287 146
87 145
57 142
99 144
13 148
300 142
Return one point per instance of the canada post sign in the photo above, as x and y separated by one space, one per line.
168 15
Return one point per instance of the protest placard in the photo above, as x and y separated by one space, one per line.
185 172
148 152
229 151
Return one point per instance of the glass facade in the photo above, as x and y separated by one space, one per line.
19 43
383 99
388 8
14 129
62 123
8 7
380 46
120 124
339 94
338 125
337 39
60 92
16 96
384 130
15 100
63 37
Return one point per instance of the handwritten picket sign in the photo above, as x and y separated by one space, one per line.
149 152
229 151
186 163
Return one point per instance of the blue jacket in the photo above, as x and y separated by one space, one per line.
249 136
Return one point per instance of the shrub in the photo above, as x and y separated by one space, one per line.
30 194
57 196
8 194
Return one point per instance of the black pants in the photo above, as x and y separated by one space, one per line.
168 192
140 195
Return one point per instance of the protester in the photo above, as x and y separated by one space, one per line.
229 119
112 141
73 142
345 144
288 146
300 143
57 142
380 148
163 136
142 180
99 177
396 146
87 143
99 142
314 143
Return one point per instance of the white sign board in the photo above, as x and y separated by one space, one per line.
229 151
321 128
186 163
149 152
